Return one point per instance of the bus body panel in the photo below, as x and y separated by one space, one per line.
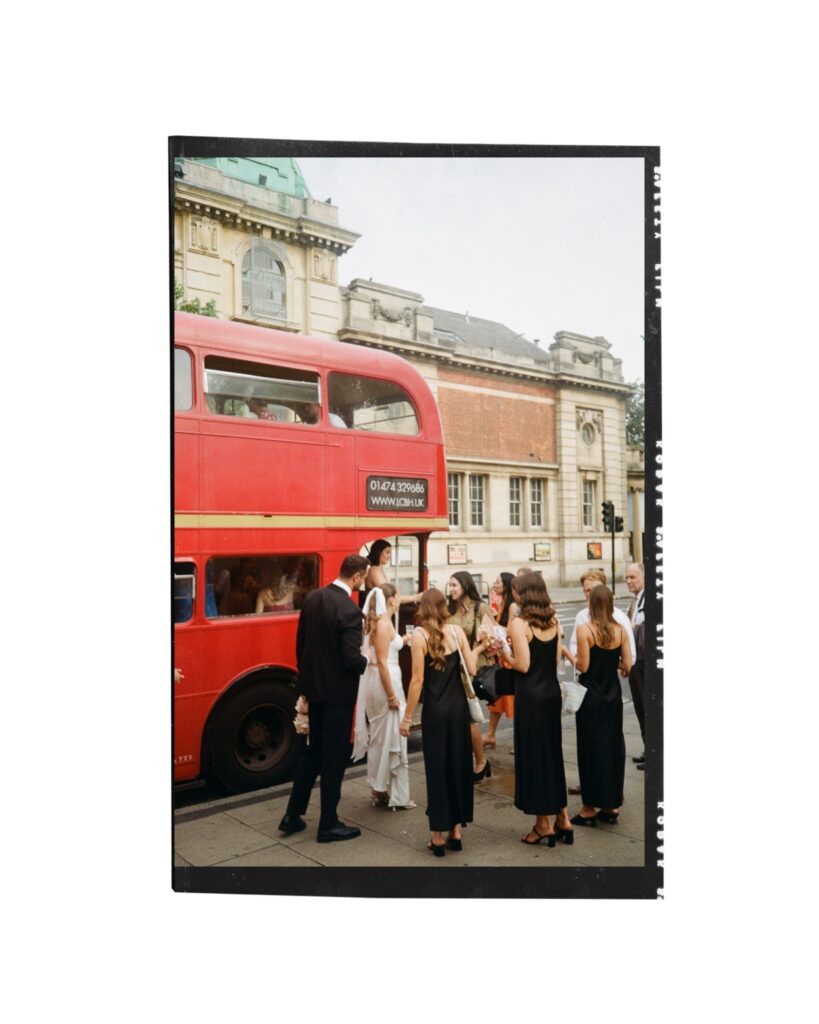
259 489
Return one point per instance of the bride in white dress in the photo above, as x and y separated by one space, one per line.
381 703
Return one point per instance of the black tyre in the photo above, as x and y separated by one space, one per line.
252 742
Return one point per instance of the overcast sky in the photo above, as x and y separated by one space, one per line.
541 245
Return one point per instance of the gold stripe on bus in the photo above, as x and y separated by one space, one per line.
205 521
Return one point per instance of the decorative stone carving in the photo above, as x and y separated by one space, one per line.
204 235
586 358
393 316
324 265
593 416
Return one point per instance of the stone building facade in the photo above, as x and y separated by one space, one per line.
535 437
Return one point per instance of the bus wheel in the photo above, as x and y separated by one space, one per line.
253 743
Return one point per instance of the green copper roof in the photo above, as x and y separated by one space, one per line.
281 174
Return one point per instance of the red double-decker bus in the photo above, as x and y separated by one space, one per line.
290 453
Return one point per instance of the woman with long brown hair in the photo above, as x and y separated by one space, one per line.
437 649
602 650
467 611
540 780
381 704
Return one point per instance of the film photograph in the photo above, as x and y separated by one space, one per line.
417 548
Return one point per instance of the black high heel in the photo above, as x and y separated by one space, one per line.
565 835
454 844
609 817
437 848
578 819
484 773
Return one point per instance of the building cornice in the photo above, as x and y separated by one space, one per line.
299 230
432 353
454 461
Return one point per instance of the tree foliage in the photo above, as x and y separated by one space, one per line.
636 415
192 305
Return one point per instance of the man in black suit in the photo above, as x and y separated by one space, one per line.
328 651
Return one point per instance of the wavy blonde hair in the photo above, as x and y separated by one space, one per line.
371 621
432 614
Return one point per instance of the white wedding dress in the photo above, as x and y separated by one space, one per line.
377 729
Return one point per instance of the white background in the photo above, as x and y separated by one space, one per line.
92 91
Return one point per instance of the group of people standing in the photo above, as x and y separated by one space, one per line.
340 669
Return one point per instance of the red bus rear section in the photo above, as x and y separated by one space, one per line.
289 453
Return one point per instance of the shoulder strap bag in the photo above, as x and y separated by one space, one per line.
475 709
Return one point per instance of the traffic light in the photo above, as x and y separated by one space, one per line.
608 515
618 524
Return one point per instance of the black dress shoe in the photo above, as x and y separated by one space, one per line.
292 823
641 767
640 759
575 790
335 835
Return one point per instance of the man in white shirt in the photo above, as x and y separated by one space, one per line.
589 580
636 583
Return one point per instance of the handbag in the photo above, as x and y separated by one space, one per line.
492 682
572 694
474 705
484 683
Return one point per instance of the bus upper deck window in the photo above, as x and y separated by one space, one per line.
364 403
182 384
283 394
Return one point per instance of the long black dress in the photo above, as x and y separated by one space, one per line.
540 779
447 746
601 747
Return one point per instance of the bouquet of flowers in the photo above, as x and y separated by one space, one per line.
301 722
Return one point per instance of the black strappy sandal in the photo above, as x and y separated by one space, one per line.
551 836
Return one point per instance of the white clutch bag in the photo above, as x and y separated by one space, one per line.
572 693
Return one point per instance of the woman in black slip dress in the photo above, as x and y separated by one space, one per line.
540 779
445 736
602 650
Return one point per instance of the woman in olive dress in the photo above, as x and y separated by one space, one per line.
467 611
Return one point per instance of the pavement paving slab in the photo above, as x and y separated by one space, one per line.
242 831
207 841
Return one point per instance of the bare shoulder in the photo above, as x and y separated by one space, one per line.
419 638
376 576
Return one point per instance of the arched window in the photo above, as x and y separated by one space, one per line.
264 292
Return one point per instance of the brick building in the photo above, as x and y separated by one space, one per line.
535 437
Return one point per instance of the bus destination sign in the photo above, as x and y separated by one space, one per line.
397 494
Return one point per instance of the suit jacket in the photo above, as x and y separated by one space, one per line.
328 647
639 628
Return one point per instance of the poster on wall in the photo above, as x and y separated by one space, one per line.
456 554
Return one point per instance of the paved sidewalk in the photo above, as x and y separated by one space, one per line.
242 831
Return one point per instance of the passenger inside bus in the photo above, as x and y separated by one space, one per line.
310 412
276 594
259 586
260 409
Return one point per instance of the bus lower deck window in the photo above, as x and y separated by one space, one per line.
259 584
